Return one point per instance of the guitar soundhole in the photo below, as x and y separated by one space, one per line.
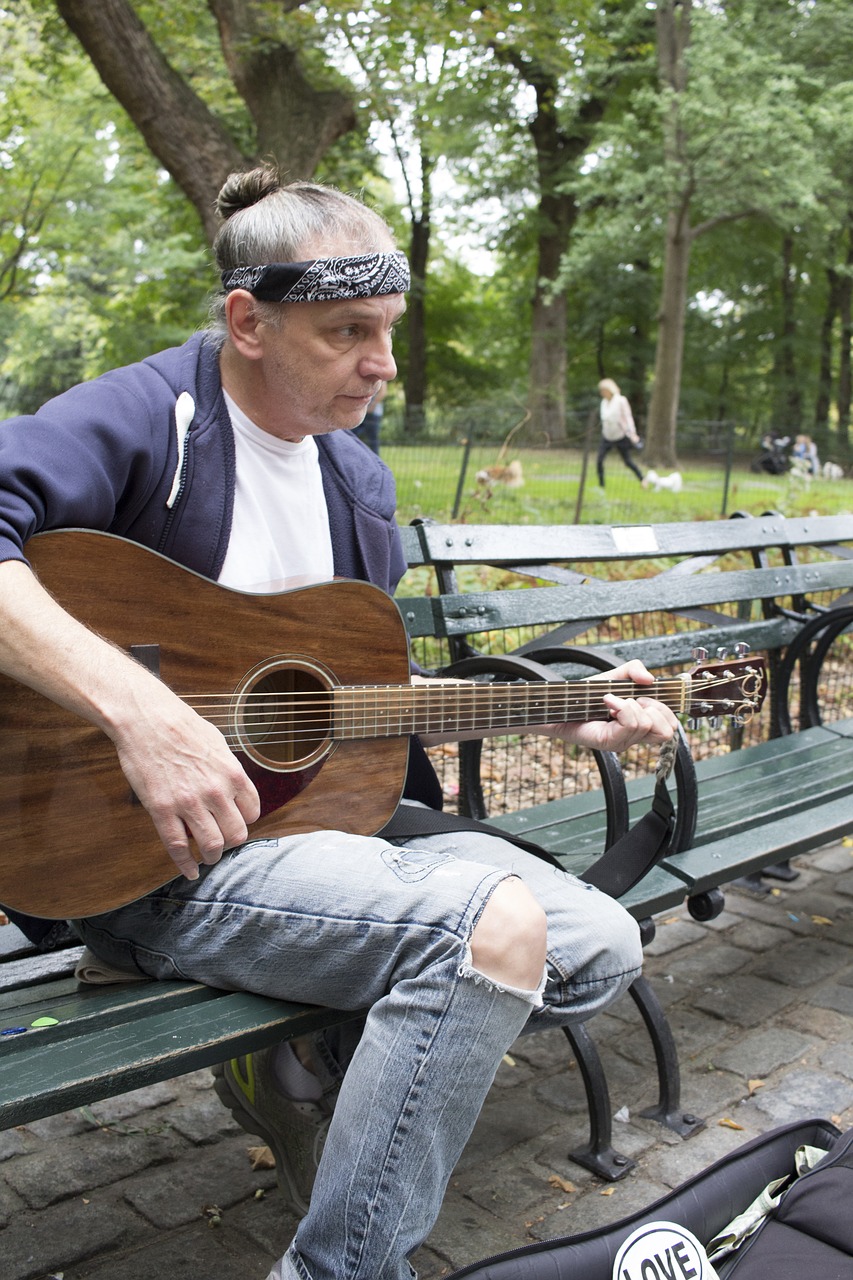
283 713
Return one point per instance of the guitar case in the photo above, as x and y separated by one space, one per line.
808 1235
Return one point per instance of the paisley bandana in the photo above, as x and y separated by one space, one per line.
323 279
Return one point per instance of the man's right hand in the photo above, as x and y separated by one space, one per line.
182 771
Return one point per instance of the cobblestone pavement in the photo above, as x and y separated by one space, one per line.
158 1183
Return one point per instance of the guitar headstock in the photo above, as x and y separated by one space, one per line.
729 687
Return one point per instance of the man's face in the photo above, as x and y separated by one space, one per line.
322 367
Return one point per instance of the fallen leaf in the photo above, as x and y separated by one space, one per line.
608 1191
729 1124
261 1157
562 1184
821 920
755 1084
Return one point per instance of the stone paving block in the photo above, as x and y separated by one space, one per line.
545 1050
36 1244
710 1094
512 1186
125 1106
12 1143
802 1094
504 1122
755 935
835 996
836 858
670 937
465 1233
799 966
598 1208
695 1035
746 1000
839 1059
674 1165
95 1160
175 1194
197 1253
715 958
761 1052
10 1204
266 1221
819 1024
203 1119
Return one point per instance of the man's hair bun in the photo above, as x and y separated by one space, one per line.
242 190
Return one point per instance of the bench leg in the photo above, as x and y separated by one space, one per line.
598 1155
668 1109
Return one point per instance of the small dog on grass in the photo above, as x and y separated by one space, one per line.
672 482
510 476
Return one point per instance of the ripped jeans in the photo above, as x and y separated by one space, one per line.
356 923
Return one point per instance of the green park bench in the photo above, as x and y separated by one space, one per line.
67 1044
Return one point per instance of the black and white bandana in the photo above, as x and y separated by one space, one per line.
369 275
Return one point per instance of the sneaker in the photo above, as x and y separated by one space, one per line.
295 1132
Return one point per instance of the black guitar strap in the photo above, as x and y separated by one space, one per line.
617 870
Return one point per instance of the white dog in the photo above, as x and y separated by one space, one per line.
673 481
832 471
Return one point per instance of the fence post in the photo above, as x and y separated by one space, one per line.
591 424
466 453
730 449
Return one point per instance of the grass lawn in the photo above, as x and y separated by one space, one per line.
428 484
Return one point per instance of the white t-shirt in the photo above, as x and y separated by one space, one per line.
280 532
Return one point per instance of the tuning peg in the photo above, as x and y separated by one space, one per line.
722 652
692 724
699 654
741 649
715 722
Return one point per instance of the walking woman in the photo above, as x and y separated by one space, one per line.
617 428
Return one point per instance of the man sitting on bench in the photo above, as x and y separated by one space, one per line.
228 456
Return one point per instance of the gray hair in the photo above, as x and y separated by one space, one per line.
265 220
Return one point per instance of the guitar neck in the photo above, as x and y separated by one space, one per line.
382 711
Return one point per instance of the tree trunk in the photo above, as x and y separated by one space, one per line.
548 360
673 37
669 354
823 399
416 368
293 123
845 311
788 397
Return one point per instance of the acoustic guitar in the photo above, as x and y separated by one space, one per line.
311 688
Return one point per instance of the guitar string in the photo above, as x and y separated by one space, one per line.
419 704
475 693
406 696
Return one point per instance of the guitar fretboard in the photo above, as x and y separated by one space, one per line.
380 711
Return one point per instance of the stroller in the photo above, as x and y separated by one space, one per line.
773 458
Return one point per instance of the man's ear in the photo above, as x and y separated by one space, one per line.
241 316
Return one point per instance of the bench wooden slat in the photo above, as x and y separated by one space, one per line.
719 861
538 544
458 615
56 1071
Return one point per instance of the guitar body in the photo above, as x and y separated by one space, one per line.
75 839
